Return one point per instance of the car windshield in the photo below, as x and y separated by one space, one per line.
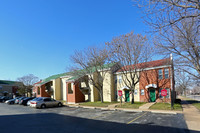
27 98
37 99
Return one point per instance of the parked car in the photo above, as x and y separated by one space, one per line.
11 101
4 98
25 100
18 100
29 102
43 102
21 100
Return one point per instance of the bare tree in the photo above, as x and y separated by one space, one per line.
161 14
183 41
28 81
183 82
176 23
93 63
130 50
196 90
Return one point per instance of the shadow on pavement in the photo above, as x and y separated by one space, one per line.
55 123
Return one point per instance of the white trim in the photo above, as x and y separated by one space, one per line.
151 85
45 82
67 76
125 87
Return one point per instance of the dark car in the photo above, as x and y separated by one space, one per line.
18 100
11 101
21 100
4 98
25 100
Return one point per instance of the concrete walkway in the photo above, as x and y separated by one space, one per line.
146 106
191 115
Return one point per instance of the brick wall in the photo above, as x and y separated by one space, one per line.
151 77
43 93
75 97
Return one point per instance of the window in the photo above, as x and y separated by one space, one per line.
47 99
166 73
120 79
160 74
142 92
116 80
160 96
168 93
38 90
136 91
70 90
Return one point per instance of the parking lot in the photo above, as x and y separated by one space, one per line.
68 119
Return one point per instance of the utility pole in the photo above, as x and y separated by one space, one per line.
172 82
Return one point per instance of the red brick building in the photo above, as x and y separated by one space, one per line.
155 77
74 95
39 90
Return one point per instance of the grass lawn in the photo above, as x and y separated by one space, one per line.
197 105
166 106
136 105
62 101
98 104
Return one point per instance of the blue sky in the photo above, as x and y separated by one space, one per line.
38 36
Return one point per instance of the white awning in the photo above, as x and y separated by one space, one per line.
125 87
151 85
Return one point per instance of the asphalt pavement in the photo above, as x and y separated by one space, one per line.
22 119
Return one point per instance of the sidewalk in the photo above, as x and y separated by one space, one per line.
191 115
146 106
143 108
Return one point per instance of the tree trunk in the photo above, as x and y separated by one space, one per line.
132 93
101 96
89 97
184 90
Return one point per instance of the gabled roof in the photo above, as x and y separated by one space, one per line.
75 77
150 64
8 82
53 77
92 70
37 82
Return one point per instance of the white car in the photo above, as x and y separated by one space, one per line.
43 102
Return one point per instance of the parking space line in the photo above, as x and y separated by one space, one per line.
101 115
136 118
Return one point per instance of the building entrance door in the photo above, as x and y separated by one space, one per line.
152 95
127 98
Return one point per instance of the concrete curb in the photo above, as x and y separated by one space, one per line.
87 107
163 112
126 109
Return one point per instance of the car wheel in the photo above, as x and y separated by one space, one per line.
59 104
43 106
11 102
3 101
